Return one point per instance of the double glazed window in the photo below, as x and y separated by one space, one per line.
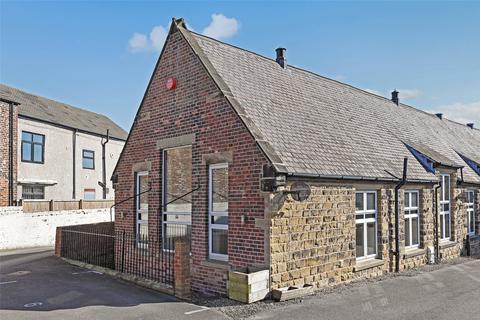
177 193
141 206
88 159
32 147
218 211
444 217
471 211
366 224
33 192
89 194
412 220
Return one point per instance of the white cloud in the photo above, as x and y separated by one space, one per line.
373 91
221 27
138 42
158 35
408 93
461 112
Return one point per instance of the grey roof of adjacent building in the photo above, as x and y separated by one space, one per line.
58 113
309 125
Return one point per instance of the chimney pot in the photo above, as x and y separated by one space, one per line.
470 125
281 57
395 98
439 115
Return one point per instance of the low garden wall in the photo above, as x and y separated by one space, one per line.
24 230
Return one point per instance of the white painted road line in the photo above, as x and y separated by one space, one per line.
196 311
7 282
32 304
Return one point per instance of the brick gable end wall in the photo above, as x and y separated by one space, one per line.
196 107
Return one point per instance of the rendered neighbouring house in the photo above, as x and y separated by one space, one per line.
51 150
223 136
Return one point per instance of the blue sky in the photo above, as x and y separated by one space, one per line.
100 55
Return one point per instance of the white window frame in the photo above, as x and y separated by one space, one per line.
443 214
211 213
164 200
365 222
408 208
138 210
470 212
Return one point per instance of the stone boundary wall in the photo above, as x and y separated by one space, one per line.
25 230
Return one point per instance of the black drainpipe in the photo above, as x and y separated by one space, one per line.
104 167
435 225
74 150
10 155
397 215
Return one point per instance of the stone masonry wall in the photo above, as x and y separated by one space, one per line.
313 241
5 151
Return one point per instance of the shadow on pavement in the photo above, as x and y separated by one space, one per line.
40 281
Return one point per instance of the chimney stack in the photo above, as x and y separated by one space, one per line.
395 97
470 125
439 115
281 57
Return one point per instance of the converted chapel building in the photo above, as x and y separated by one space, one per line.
224 139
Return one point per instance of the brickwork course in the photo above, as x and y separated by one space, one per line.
234 106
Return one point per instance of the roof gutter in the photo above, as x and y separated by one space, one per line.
355 178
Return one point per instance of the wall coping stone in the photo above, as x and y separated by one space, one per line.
368 264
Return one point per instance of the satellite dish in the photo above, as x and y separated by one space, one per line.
300 191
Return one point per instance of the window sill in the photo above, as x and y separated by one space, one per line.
413 252
447 244
218 264
367 264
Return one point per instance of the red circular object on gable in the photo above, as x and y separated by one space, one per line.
171 83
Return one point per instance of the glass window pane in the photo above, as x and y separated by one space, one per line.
371 201
414 202
87 163
142 188
38 138
471 222
407 199
89 194
445 207
26 136
184 218
219 220
26 151
37 152
178 179
219 241
447 187
415 226
142 232
447 225
359 201
407 233
442 222
371 238
220 189
359 240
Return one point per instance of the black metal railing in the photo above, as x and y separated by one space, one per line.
146 256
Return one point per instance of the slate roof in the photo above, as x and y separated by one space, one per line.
43 109
309 125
